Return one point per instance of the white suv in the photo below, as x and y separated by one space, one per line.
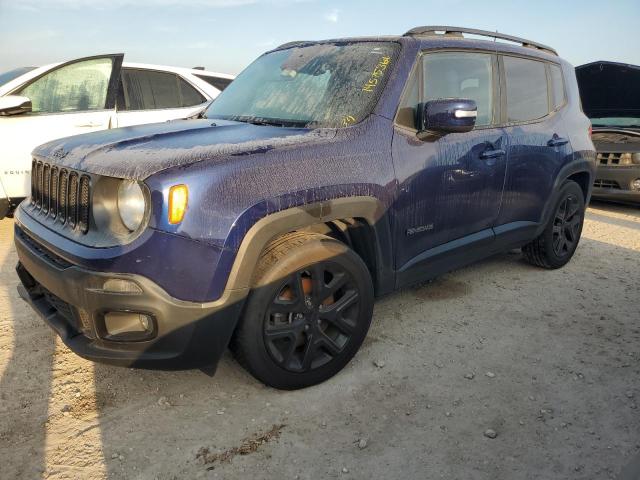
87 94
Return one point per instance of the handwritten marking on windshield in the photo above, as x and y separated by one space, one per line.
348 120
377 73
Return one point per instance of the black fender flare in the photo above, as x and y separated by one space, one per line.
581 165
276 224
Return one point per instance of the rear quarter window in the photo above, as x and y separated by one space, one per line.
527 91
557 86
217 82
190 96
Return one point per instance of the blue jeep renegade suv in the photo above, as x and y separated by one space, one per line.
328 173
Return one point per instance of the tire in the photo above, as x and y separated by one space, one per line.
558 242
308 312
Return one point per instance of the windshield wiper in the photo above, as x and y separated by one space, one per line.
276 122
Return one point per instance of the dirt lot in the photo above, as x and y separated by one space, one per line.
548 360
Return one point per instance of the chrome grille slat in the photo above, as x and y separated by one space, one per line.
61 195
614 158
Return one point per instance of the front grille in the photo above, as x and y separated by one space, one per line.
615 158
600 183
61 195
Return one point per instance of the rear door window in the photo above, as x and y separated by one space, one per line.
527 91
150 90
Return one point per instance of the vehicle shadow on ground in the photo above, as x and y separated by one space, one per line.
597 208
630 208
25 384
618 222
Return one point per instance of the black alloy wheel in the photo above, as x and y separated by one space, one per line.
312 317
308 312
557 243
566 226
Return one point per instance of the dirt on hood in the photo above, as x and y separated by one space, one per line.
138 152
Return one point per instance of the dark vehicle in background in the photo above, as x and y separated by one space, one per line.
610 95
328 173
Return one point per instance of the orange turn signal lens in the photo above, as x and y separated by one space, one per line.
178 199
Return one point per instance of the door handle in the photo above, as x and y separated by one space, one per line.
487 154
557 141
89 124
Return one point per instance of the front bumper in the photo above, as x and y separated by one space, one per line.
73 302
625 196
614 183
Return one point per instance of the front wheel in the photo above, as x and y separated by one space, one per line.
308 312
558 242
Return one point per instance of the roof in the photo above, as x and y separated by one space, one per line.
168 68
18 81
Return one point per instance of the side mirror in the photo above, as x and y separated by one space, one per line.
14 105
448 115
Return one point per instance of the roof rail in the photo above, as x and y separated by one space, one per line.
458 31
292 44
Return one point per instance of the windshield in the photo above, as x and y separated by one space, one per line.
322 85
616 122
6 77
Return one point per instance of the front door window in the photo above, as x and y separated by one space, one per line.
461 75
77 87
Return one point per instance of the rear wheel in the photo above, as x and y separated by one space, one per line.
308 313
557 243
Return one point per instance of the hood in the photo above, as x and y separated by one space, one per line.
609 89
138 152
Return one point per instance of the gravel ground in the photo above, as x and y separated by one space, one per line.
547 362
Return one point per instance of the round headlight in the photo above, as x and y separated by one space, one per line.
131 204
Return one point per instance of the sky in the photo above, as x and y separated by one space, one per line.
226 35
